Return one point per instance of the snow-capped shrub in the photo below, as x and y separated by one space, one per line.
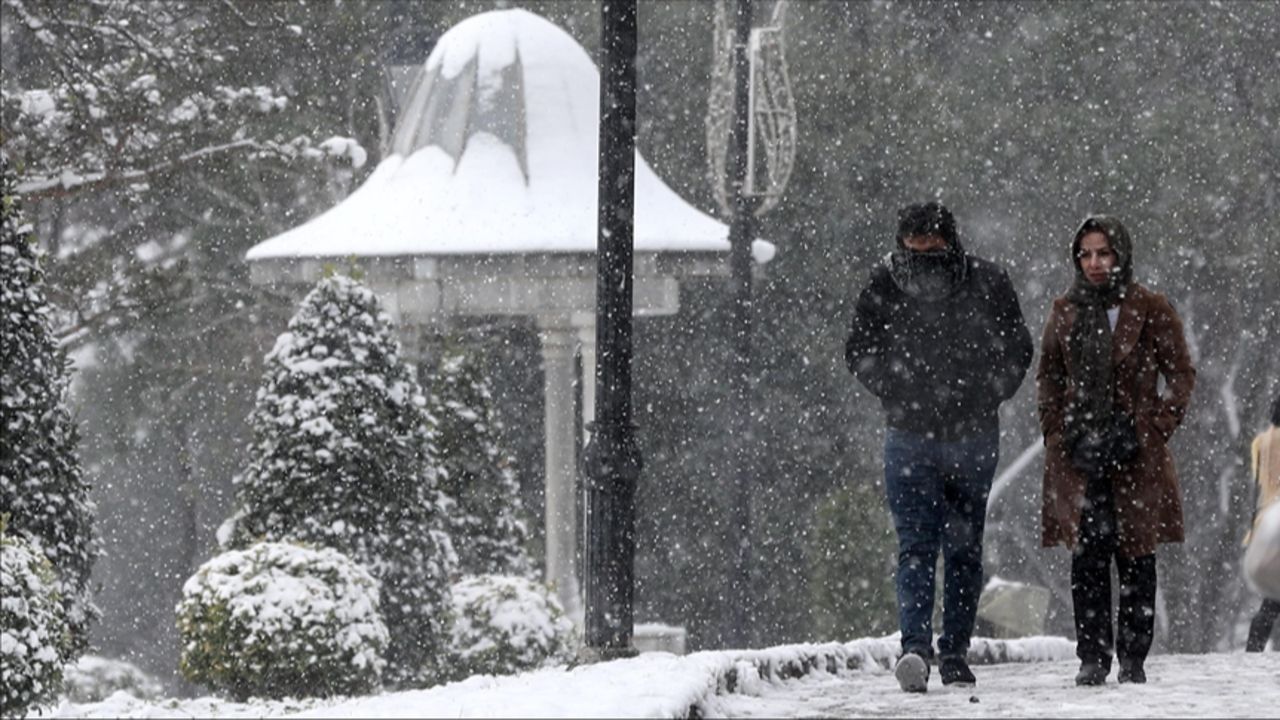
504 624
41 483
281 620
343 456
94 678
476 472
34 637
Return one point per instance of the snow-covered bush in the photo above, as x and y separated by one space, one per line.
505 624
94 678
476 472
33 630
281 620
343 456
41 484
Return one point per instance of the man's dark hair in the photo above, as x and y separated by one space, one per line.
931 218
1275 411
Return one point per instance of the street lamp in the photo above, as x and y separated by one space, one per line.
611 461
751 141
741 428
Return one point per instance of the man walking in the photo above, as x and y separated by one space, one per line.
939 337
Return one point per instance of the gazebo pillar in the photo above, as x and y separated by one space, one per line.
559 340
586 325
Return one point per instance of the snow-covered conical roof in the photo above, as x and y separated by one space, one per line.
495 152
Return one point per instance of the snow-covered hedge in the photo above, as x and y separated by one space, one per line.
34 637
279 620
94 678
505 624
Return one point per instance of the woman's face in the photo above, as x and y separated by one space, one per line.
1097 259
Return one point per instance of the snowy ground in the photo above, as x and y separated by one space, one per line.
1222 686
731 684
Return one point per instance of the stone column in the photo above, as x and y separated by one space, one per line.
586 326
559 340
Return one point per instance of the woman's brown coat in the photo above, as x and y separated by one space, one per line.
1147 342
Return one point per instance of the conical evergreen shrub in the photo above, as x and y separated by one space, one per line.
477 473
343 456
42 487
851 559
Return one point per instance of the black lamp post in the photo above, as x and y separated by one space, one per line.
611 460
742 428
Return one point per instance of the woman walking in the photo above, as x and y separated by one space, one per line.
1110 490
1266 472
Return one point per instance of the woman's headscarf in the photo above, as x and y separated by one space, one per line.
1090 338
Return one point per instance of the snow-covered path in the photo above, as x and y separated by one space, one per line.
834 680
1236 685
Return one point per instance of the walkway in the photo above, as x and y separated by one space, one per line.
1216 685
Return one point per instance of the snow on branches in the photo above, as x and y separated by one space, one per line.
128 91
477 473
280 620
344 456
506 624
32 625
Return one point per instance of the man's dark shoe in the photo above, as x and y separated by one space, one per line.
1092 673
1131 672
955 671
912 672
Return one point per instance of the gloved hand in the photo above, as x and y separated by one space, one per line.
1121 440
1089 454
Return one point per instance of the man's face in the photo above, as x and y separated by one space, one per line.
924 243
1096 258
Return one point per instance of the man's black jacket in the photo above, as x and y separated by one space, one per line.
943 367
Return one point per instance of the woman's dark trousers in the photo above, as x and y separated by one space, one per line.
1263 622
1091 587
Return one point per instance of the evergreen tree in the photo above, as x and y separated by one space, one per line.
41 485
33 626
343 456
851 560
478 474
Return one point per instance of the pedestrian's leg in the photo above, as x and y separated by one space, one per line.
1136 619
913 485
971 466
1091 581
1263 622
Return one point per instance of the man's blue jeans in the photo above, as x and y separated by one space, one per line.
937 492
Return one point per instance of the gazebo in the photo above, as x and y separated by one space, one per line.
486 205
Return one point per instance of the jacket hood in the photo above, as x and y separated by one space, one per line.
1117 235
